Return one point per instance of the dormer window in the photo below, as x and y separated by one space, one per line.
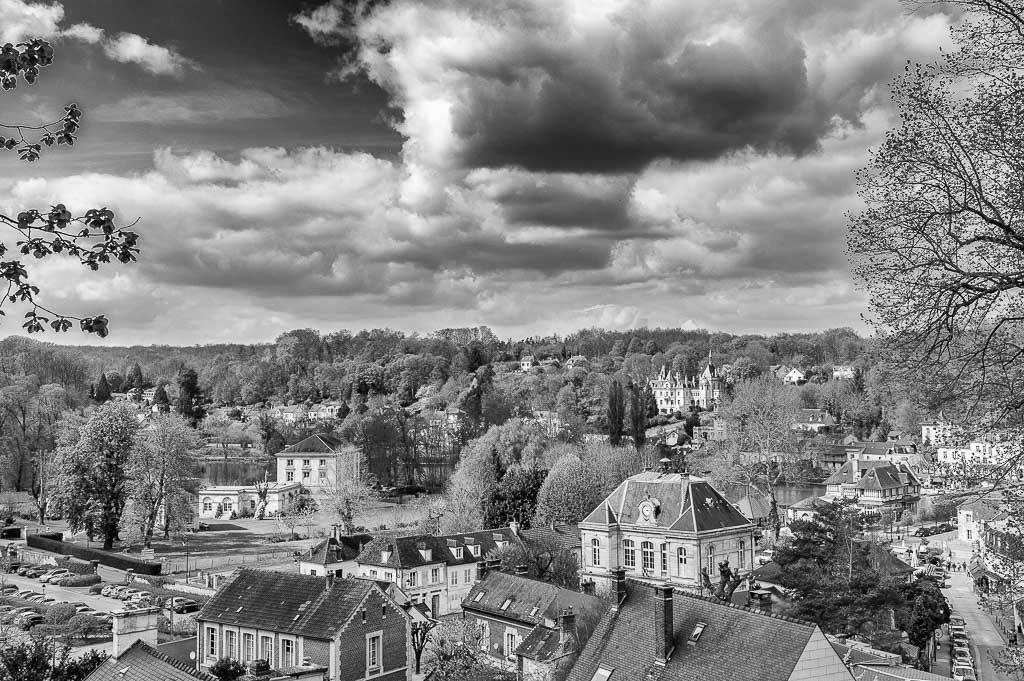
475 549
385 555
697 631
458 553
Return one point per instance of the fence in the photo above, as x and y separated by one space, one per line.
208 563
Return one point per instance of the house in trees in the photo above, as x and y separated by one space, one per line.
323 412
876 486
348 628
674 392
844 372
577 361
940 432
435 571
293 413
664 526
794 377
814 421
527 362
658 631
534 627
318 463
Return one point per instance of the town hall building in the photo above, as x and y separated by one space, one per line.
667 527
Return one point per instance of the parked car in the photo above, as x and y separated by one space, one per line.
38 571
46 600
181 605
766 556
29 620
8 589
125 594
108 590
35 598
957 620
923 532
24 594
117 591
48 577
14 566
964 674
962 654
25 568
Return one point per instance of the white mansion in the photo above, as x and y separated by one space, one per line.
666 526
675 392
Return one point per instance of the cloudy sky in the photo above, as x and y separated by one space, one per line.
535 165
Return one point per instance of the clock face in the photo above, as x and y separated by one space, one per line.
645 510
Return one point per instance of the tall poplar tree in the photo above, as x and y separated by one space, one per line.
616 412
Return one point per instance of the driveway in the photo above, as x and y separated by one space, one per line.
986 641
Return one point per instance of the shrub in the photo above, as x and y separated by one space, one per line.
81 580
85 625
55 544
59 613
96 588
226 669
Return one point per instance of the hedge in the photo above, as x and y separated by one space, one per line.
55 544
80 580
11 533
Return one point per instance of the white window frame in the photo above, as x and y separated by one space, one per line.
230 644
291 658
267 649
629 554
248 649
374 667
595 551
211 642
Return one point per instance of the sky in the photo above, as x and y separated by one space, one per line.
537 166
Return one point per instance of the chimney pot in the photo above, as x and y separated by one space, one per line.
567 627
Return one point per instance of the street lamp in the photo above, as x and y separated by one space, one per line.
185 543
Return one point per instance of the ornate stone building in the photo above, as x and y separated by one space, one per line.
664 526
675 392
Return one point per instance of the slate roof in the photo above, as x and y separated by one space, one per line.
985 508
531 601
405 551
737 644
880 478
853 655
865 673
560 536
315 444
811 503
337 550
815 417
142 662
687 503
287 603
754 506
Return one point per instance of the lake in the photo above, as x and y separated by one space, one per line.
235 472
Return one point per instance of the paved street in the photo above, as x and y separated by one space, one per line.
986 641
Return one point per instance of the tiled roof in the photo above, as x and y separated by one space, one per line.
530 601
338 550
852 654
560 536
737 644
754 506
818 417
687 503
142 662
985 508
405 551
287 603
315 444
880 477
810 503
867 673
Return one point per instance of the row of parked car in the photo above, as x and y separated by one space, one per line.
960 644
137 599
937 529
26 617
46 574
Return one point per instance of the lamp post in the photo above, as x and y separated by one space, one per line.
184 541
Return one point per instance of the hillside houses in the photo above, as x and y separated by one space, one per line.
876 486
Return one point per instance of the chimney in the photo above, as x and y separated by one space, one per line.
567 627
618 591
514 526
130 626
663 623
522 570
587 587
330 579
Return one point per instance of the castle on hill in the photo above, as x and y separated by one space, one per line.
674 392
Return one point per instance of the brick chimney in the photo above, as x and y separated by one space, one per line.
618 587
663 623
330 579
566 627
130 626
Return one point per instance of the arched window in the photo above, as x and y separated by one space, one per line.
227 504
207 504
595 551
647 553
681 552
629 553
743 554
664 559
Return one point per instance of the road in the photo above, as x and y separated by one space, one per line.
986 641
